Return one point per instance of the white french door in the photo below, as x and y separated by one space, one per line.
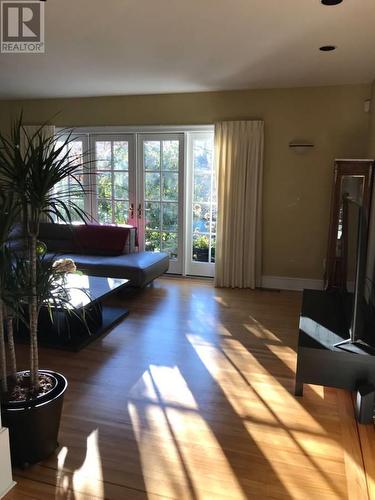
160 196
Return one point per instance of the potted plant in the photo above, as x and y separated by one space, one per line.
200 248
31 168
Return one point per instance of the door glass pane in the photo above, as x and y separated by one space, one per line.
79 201
104 211
121 212
170 216
170 186
104 185
170 155
202 187
103 150
152 216
213 247
201 247
202 155
121 185
169 244
151 155
152 186
152 240
120 155
201 217
103 165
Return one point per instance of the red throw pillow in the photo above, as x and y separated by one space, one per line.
96 239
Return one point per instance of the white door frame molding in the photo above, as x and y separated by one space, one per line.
6 480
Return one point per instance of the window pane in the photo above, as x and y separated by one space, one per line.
202 188
76 153
170 155
75 184
202 155
201 217
104 185
121 155
103 165
200 247
62 188
203 206
213 220
151 151
103 150
121 212
170 216
170 186
169 244
104 211
121 185
80 203
152 216
152 186
213 247
152 241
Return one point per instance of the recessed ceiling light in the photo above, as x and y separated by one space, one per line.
331 2
327 48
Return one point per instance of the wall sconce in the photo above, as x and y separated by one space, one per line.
301 147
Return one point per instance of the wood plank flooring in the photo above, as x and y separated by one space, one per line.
191 397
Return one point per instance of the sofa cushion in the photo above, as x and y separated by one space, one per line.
94 239
16 240
88 239
140 268
57 237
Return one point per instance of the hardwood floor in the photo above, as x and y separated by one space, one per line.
192 397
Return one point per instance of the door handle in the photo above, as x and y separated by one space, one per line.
131 210
140 211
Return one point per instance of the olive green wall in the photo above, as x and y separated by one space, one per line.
371 150
297 187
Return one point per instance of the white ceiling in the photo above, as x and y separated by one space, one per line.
111 47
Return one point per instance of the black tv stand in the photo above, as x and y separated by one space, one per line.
324 322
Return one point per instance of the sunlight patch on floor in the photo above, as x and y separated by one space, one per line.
87 481
232 370
221 301
171 387
237 371
260 332
168 439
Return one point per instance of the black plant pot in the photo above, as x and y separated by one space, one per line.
34 425
201 254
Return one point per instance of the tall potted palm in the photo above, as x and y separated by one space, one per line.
32 167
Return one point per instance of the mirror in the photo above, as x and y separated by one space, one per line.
351 188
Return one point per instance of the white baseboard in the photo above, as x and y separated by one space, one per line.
286 283
6 480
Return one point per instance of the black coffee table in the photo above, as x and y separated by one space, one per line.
87 318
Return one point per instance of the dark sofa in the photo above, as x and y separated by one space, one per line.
100 250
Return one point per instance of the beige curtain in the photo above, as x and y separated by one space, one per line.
239 164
